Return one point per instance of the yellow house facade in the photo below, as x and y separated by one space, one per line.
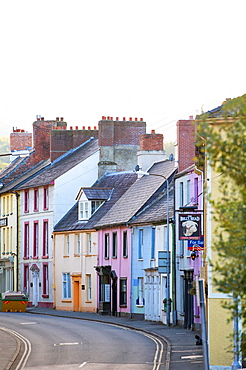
219 326
219 330
9 240
75 256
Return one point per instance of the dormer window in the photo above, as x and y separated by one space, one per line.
90 199
87 208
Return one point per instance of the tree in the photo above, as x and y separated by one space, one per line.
222 137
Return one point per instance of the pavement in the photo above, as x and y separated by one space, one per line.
182 351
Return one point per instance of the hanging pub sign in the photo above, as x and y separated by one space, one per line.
190 226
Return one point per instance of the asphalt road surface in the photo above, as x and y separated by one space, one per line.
64 343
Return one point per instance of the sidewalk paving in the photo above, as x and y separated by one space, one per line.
183 352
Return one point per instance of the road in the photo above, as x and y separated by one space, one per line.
64 343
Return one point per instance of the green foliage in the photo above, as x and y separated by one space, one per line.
4 148
169 148
222 135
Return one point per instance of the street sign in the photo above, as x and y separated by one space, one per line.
163 262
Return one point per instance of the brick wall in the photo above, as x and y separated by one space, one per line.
151 141
61 141
41 136
20 140
116 132
186 143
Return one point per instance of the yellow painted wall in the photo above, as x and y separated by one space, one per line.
219 342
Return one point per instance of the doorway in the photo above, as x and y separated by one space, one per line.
188 300
35 292
76 293
114 297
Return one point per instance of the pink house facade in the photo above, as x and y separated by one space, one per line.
114 270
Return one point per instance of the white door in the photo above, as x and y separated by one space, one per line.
35 291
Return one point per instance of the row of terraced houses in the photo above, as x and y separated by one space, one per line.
82 231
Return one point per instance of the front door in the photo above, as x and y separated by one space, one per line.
188 301
114 297
76 294
35 291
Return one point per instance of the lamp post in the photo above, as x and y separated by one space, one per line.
168 306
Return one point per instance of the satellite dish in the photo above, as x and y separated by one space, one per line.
171 157
137 168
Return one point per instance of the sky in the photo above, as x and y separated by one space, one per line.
83 59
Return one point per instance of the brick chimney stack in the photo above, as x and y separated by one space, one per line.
186 143
20 140
119 142
41 136
151 150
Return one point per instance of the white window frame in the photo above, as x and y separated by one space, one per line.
89 243
66 285
89 292
77 244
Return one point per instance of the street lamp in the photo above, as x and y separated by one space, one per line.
168 306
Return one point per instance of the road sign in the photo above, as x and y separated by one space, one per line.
163 262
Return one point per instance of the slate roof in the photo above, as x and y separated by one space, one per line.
19 170
118 183
62 164
156 212
138 195
97 193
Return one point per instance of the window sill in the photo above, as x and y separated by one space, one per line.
75 255
114 257
25 258
88 301
66 300
139 305
106 258
45 209
35 258
45 295
123 305
45 257
140 259
125 257
65 256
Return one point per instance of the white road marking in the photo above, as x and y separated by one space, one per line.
84 363
67 344
28 323
191 357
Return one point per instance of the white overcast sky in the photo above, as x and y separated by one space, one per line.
83 59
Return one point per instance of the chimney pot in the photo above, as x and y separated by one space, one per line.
76 128
191 117
42 118
124 118
71 127
95 127
130 119
62 119
108 118
136 119
103 117
83 127
152 131
141 119
117 118
57 118
89 127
